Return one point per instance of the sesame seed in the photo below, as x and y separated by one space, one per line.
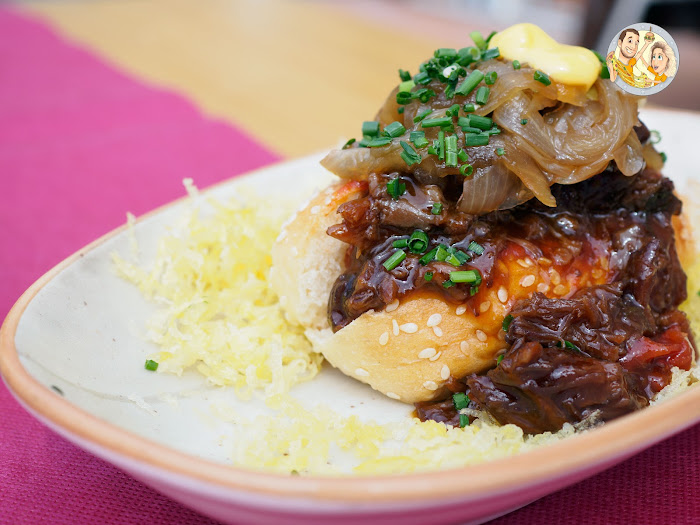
544 261
528 280
430 385
560 289
361 372
445 372
393 396
409 328
434 320
384 338
395 326
481 336
464 346
522 263
542 287
427 353
393 305
554 276
460 310
502 294
437 331
484 307
315 210
436 357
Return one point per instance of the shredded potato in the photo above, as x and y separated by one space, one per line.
219 315
217 312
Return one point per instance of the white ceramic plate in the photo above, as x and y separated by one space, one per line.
79 329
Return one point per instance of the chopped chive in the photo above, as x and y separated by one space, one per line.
424 94
409 155
466 276
460 400
470 83
475 247
474 139
452 112
490 78
468 129
462 155
500 152
451 159
403 97
483 123
478 40
506 322
572 346
428 257
523 121
349 143
435 122
463 420
441 253
418 242
401 110
467 55
516 64
370 128
421 116
448 284
654 136
466 170
453 260
482 95
378 142
445 52
428 276
432 149
404 75
422 78
451 143
395 129
500 358
604 72
436 208
469 108
491 35
542 77
663 157
396 258
494 52
151 365
395 188
400 243
418 139
441 145
473 291
494 131
406 86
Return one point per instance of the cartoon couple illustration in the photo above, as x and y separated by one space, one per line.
662 59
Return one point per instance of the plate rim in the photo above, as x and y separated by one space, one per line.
616 439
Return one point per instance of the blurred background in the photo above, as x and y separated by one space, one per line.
301 75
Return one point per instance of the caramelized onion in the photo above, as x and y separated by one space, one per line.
491 188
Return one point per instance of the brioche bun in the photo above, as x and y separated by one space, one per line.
409 350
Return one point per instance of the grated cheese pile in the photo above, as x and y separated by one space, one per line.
217 312
219 316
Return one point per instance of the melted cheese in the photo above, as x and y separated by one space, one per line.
571 65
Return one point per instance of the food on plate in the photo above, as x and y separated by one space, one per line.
501 239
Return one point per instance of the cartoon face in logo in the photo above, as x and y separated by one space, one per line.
644 69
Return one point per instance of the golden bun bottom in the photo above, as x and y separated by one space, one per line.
409 350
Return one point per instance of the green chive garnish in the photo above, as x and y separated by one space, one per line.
542 77
494 52
572 346
441 145
483 123
474 139
462 155
409 155
466 276
441 253
378 142
490 78
403 97
446 52
395 188
452 112
428 276
151 365
418 139
448 284
436 122
466 170
663 157
463 420
460 400
523 121
506 322
404 75
349 143
406 86
401 110
370 128
500 358
418 242
395 259
516 64
400 243
428 257
395 129
421 116
478 40
436 208
482 95
470 83
475 247
500 152
469 108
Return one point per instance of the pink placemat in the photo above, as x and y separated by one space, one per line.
81 144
